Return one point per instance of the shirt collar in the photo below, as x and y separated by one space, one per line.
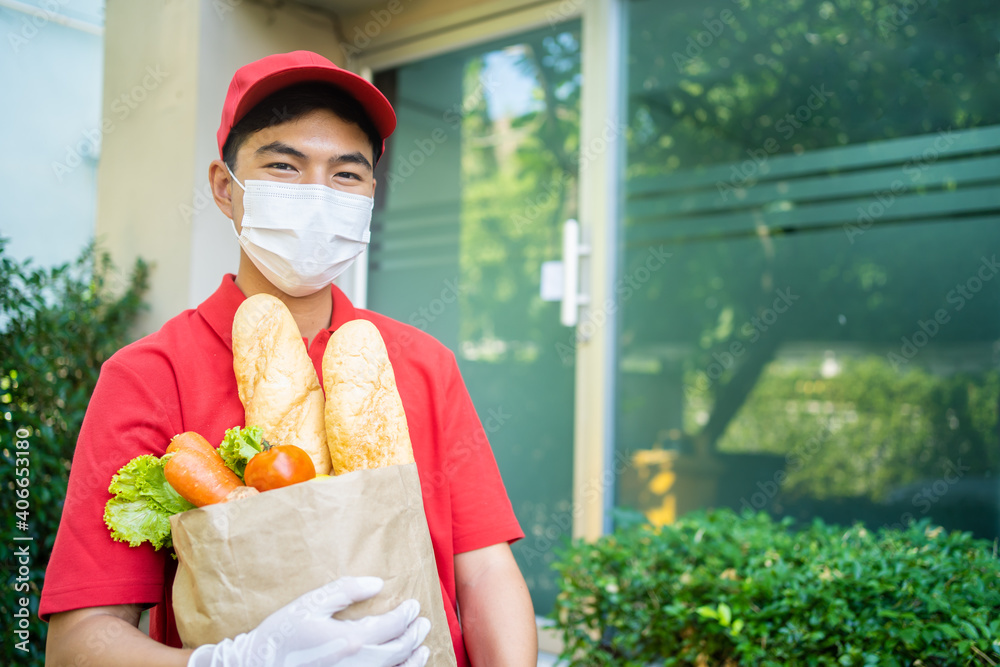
219 310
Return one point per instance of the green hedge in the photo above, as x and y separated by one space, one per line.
717 588
57 326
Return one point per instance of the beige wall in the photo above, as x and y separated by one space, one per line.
144 170
172 60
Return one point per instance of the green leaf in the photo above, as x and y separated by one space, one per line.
143 503
909 635
725 614
241 445
154 486
969 629
707 612
134 522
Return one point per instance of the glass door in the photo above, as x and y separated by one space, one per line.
477 182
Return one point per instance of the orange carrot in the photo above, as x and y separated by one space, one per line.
192 440
200 479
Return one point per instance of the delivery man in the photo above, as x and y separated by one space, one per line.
298 143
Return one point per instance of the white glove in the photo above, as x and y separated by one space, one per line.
304 633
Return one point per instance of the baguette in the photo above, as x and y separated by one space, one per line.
365 422
276 379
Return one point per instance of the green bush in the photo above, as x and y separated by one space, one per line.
57 326
717 588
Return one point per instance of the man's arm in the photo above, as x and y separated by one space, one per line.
110 636
498 620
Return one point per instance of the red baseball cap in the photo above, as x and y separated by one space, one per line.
253 82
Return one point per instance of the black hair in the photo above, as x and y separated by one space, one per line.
294 102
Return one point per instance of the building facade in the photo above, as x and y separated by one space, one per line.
728 254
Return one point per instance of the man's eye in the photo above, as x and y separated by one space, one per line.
348 174
280 165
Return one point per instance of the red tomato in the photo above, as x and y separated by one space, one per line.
278 466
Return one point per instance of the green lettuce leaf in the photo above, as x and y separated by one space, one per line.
132 521
240 445
154 485
143 503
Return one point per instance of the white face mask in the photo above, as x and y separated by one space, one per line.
302 237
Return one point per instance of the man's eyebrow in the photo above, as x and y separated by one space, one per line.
352 158
280 148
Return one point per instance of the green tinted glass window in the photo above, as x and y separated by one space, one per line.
824 337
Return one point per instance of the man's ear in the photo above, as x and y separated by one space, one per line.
222 187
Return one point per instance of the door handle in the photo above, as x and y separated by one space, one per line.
573 250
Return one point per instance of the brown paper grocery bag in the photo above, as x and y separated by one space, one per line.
240 561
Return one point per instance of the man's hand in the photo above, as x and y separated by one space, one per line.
304 634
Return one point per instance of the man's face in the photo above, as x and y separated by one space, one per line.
316 148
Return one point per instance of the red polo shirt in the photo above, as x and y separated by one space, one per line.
181 379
